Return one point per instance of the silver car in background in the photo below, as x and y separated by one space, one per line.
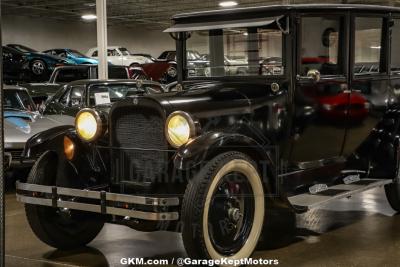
22 120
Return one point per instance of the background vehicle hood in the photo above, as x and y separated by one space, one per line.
20 126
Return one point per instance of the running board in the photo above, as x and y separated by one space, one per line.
311 201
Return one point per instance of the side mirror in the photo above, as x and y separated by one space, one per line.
314 75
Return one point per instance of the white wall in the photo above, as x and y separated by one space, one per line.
42 34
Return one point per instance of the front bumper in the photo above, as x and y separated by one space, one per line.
107 203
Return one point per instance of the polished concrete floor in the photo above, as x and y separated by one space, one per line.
360 231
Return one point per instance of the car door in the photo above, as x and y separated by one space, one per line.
371 93
321 90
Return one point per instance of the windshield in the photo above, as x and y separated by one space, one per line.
100 94
235 52
77 54
18 100
23 49
193 55
124 51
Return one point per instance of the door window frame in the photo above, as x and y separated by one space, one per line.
384 57
397 72
343 55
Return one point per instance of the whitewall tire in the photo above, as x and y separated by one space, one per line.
223 209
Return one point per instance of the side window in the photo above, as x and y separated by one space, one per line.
395 45
76 98
321 45
112 53
95 54
367 47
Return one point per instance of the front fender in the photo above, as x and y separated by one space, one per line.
208 145
51 139
85 163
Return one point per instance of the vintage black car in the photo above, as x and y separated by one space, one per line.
82 94
216 158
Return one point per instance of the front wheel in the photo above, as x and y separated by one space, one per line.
57 227
223 209
38 67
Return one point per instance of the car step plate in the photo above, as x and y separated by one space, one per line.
339 191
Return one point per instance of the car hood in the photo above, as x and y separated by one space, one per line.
20 126
210 98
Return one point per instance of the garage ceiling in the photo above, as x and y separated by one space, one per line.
153 14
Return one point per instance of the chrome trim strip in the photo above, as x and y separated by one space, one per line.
33 187
173 201
163 216
131 199
78 193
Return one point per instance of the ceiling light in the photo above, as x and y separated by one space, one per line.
375 47
89 17
228 4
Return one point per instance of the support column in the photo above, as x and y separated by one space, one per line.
101 12
2 202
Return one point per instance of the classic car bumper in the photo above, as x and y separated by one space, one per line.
15 160
107 203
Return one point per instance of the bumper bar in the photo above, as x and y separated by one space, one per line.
52 196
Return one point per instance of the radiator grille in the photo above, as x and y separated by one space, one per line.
15 154
139 147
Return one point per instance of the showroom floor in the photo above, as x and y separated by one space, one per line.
361 231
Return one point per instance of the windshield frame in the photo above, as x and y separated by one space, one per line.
17 92
76 53
124 51
225 77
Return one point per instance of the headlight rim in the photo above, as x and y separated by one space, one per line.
99 124
191 123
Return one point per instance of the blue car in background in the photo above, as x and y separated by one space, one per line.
72 55
40 64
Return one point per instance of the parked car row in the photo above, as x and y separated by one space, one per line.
22 63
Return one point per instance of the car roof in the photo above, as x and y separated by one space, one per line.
282 8
108 47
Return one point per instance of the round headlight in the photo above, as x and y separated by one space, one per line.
179 128
88 124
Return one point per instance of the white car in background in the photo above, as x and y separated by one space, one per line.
118 55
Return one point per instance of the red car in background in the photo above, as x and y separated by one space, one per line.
163 69
333 104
